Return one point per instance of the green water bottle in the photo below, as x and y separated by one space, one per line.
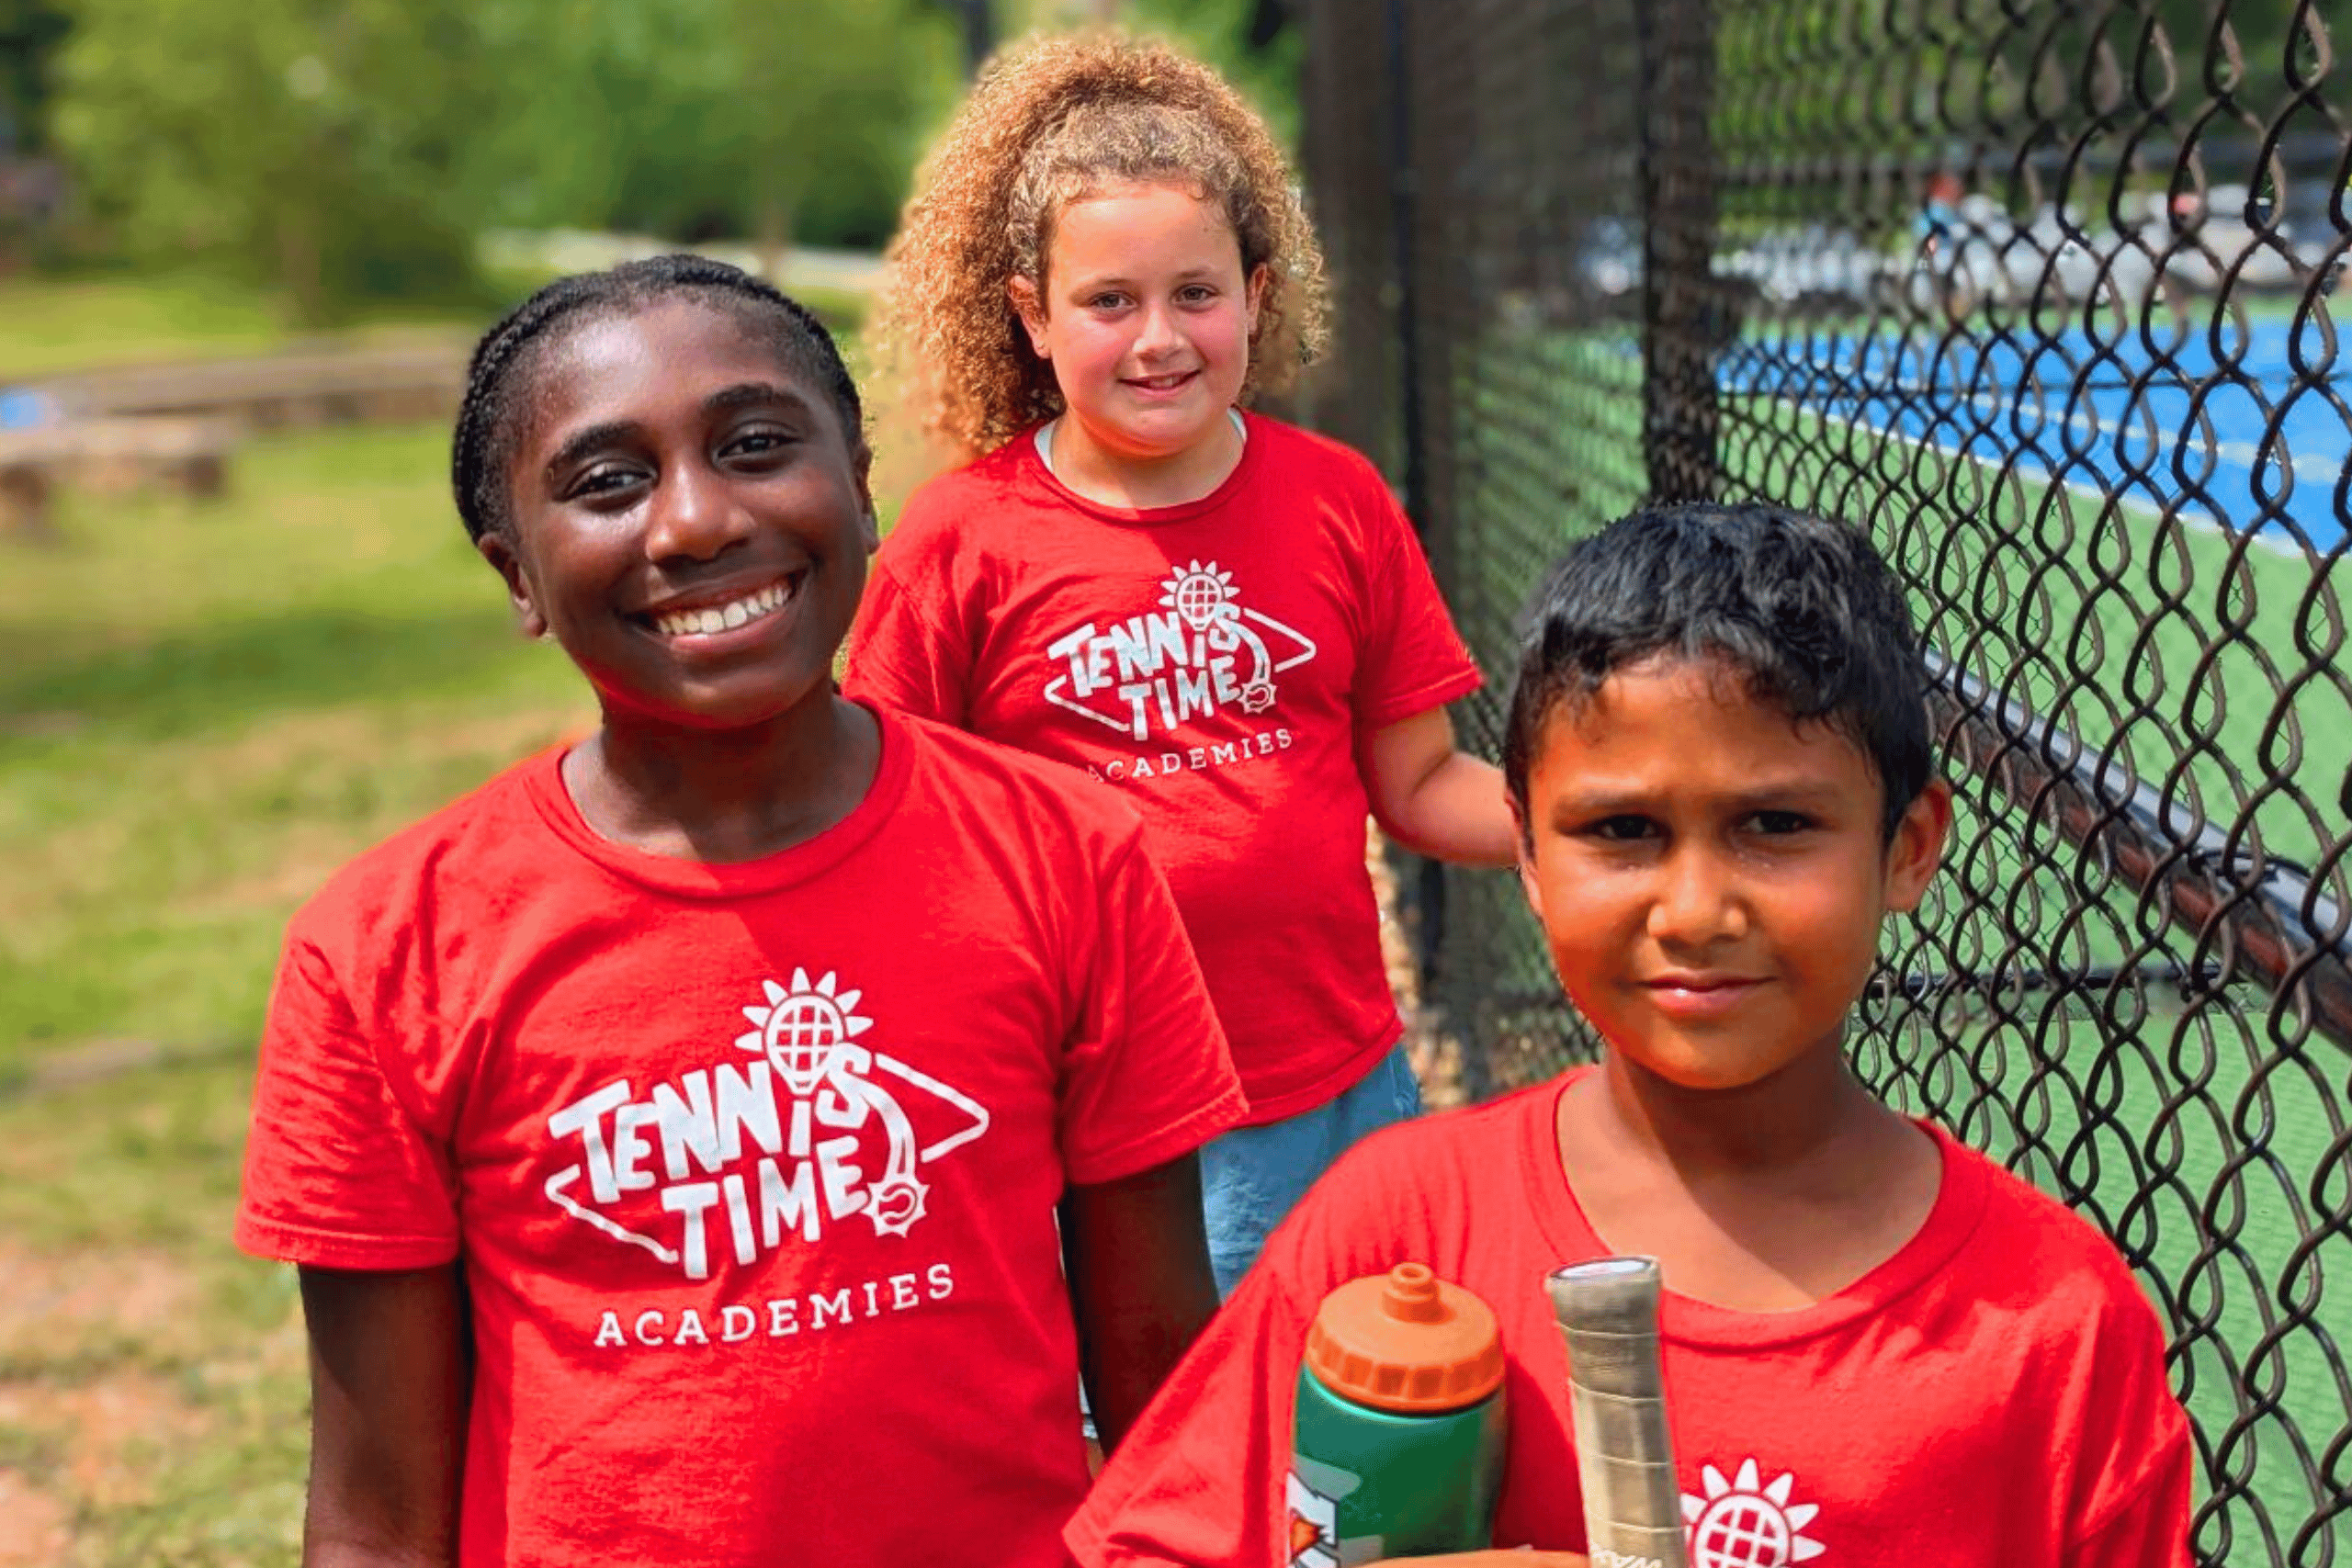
1396 1446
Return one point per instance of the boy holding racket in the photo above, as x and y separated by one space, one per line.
1879 1346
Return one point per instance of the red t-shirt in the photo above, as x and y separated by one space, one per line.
1217 664
752 1166
1995 1392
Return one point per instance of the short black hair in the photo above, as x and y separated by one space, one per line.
1803 607
498 385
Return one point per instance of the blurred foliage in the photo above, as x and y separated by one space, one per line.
1255 45
698 119
310 146
1247 40
350 149
30 32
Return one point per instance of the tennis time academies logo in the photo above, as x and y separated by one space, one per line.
820 1128
1201 651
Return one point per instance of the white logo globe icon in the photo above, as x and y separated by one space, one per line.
1198 599
1199 593
800 1037
1741 1531
1747 1523
802 1029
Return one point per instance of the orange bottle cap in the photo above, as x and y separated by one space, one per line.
1405 1341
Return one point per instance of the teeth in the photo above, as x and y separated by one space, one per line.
723 617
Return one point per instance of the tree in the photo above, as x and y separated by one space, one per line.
30 33
309 144
702 118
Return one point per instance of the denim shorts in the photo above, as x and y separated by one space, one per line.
1252 1176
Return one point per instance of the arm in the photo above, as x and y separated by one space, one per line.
389 1391
1139 1281
1435 799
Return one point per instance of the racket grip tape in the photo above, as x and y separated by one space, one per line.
1632 1505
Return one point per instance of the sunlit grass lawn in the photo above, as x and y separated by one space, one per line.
204 709
49 325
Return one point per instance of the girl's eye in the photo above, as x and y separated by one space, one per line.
759 441
1196 294
1106 301
603 479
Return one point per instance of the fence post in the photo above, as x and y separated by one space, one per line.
1676 177
1429 875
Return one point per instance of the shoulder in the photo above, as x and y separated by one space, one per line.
464 841
2058 1265
1440 1160
1297 453
945 504
996 782
1437 1189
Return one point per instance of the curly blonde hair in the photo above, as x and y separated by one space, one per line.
1047 123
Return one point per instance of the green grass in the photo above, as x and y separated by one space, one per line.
204 709
50 325
243 695
153 1382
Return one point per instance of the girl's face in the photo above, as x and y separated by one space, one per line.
691 519
1145 318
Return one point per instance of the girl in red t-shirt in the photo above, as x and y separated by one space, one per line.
1223 618
724 1139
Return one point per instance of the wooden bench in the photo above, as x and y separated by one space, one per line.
184 457
412 381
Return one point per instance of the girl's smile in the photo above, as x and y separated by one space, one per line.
709 616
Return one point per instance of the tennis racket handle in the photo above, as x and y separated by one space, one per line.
1632 1505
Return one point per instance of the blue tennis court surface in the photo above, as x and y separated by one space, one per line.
2256 438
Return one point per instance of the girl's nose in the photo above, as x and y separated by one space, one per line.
693 516
1158 335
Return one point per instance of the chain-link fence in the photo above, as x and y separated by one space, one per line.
2039 292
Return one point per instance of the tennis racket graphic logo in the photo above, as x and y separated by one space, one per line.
1744 1523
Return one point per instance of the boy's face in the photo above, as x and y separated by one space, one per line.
1711 877
691 521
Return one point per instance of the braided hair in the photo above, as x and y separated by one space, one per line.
499 377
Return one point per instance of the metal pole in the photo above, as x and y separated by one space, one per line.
1679 419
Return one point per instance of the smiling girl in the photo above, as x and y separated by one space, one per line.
1223 618
672 1132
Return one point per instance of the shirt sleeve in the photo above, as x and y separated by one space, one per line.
339 1173
2151 1528
903 652
1147 1074
1413 659
2133 1502
1200 1480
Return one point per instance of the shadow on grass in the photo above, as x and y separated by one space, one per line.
184 684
